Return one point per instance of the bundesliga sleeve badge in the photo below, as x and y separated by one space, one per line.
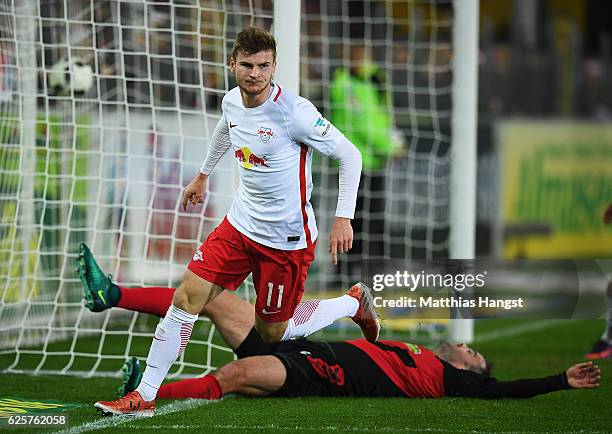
321 125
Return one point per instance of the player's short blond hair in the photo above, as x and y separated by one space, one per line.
253 40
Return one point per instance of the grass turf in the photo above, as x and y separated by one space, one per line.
539 352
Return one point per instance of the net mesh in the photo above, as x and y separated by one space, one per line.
105 164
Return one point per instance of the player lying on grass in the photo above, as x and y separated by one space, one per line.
301 368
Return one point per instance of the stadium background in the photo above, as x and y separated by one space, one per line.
107 161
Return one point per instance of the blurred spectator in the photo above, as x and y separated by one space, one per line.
592 92
360 109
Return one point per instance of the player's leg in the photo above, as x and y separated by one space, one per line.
170 339
279 278
602 349
270 331
173 333
297 369
219 263
232 316
255 376
100 293
357 304
308 317
259 376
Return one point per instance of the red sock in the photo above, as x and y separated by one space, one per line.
206 387
155 300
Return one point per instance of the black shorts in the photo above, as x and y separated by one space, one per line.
331 369
322 368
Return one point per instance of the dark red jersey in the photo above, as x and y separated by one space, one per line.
384 368
414 369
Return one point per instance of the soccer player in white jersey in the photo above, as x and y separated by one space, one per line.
270 230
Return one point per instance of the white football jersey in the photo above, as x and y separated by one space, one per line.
273 144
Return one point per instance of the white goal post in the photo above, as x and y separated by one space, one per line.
286 29
462 243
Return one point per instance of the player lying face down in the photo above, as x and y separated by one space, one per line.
352 368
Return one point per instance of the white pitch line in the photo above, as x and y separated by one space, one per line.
516 330
113 421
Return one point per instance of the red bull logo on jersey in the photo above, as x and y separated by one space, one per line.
249 159
265 134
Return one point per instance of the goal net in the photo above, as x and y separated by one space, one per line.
404 51
106 109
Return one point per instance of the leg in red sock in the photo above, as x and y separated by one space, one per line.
154 299
206 387
254 376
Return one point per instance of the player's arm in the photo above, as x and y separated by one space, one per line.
306 125
341 234
458 382
219 144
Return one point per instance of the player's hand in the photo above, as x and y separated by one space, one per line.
583 376
194 192
340 238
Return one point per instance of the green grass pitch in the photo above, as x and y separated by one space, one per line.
518 349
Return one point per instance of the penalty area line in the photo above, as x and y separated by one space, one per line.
114 421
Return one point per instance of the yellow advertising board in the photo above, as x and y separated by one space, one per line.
555 178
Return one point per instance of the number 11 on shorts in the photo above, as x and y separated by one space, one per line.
280 295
